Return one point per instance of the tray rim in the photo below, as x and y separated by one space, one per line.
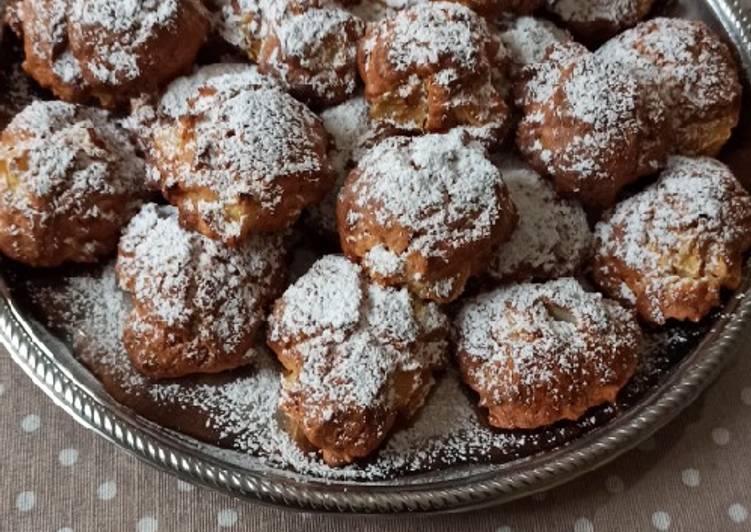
91 407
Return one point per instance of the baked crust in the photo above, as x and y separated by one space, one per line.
541 353
310 46
670 250
242 164
528 40
595 21
198 305
425 212
358 357
314 54
588 125
433 67
69 180
109 50
695 73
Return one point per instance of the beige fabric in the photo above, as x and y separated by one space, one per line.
693 476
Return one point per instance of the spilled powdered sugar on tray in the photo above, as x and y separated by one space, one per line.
249 145
238 410
316 50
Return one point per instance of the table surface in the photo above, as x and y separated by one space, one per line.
693 475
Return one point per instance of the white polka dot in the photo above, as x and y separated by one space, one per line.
184 486
721 436
738 513
68 457
31 423
504 529
614 484
746 396
147 524
583 525
226 517
650 444
106 490
661 520
691 477
25 501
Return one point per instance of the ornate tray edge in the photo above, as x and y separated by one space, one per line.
494 487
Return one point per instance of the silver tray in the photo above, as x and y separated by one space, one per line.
52 368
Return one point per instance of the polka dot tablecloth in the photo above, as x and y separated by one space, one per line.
694 475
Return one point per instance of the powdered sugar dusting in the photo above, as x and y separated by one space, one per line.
89 311
552 238
178 278
554 337
353 336
49 32
608 125
133 22
316 53
691 67
198 92
692 223
431 32
62 156
528 39
441 188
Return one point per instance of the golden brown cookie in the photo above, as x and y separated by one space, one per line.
588 125
694 72
433 67
69 180
552 238
310 46
671 249
190 95
358 357
595 21
199 306
537 354
528 40
108 49
247 163
425 212
314 54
